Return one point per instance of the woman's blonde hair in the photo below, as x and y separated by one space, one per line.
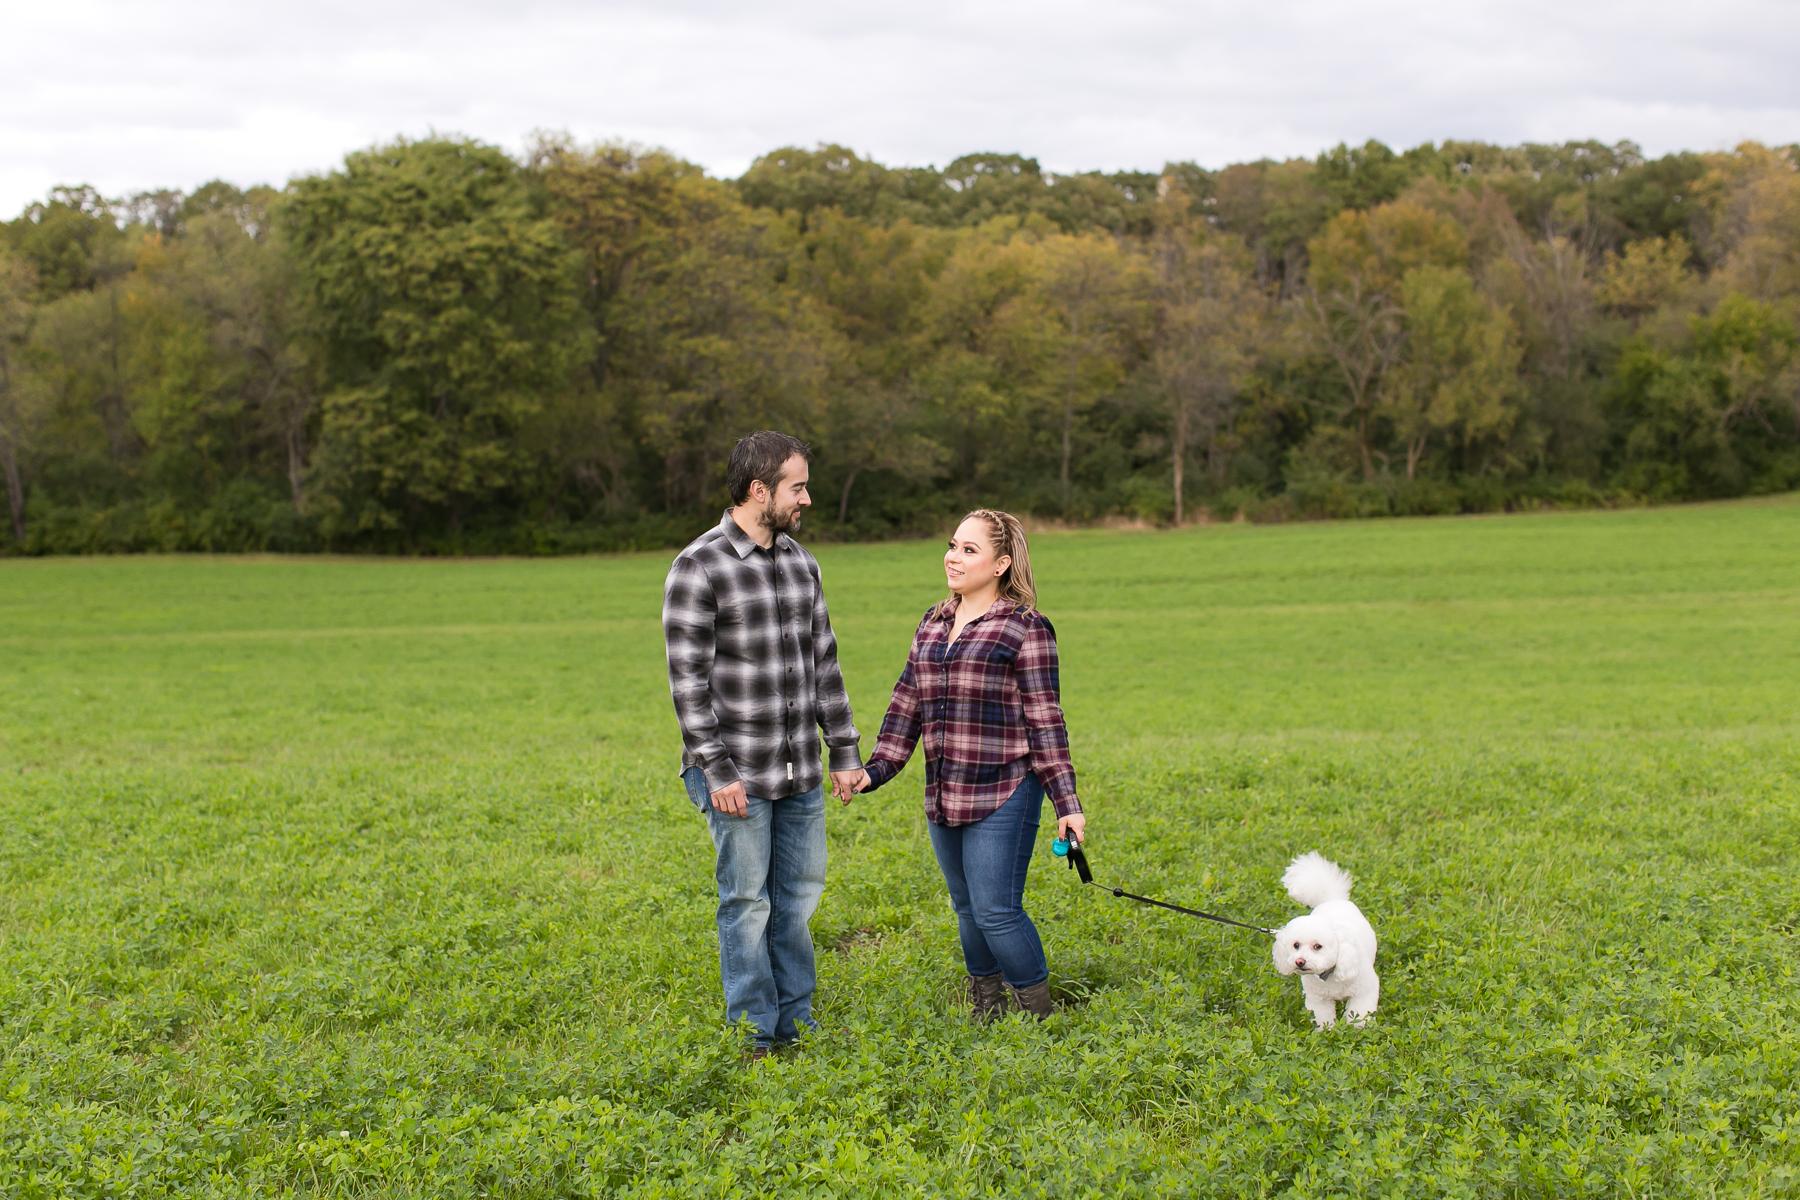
1007 537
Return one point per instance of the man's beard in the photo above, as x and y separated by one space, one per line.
778 522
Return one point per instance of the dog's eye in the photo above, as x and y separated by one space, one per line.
1316 946
1296 945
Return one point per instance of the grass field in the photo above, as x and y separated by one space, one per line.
375 878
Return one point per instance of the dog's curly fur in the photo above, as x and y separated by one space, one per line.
1332 948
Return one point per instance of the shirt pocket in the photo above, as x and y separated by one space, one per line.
999 655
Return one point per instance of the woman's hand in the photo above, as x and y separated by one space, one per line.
845 784
1076 822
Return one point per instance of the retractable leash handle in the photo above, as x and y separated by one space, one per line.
1070 848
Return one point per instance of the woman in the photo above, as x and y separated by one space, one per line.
980 693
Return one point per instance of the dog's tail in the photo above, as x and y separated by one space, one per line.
1312 879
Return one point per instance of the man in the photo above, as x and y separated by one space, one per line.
754 672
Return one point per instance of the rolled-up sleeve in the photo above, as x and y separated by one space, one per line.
689 612
1040 691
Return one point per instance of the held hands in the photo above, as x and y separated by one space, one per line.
845 784
731 799
1074 821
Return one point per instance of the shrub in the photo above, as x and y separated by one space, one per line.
1425 498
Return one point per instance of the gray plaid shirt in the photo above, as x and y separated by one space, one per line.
753 664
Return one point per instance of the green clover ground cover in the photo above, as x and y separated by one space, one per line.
375 878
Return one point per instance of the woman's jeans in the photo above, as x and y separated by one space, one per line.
985 865
771 872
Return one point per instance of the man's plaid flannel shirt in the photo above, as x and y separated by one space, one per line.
986 710
753 664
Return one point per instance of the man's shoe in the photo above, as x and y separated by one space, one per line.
987 998
1034 999
755 1053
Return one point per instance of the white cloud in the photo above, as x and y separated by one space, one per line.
137 95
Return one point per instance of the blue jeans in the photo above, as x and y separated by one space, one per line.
771 872
985 865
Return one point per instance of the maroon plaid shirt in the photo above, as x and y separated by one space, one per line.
986 710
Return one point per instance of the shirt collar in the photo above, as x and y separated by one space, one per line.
743 543
946 610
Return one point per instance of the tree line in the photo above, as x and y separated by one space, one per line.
443 348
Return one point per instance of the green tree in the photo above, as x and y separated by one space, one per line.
873 282
85 337
837 178
73 241
233 296
1700 420
438 346
695 338
980 368
18 291
715 348
876 428
1097 293
1276 208
1364 176
1546 278
445 310
628 212
1360 333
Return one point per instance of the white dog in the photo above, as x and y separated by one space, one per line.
1332 948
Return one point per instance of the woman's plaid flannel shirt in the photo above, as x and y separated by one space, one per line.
986 711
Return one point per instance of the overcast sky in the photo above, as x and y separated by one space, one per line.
148 93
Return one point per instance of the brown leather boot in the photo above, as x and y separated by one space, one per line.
1034 999
987 998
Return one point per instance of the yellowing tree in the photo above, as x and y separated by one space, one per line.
1459 377
1646 275
1752 197
1211 320
1350 312
1374 249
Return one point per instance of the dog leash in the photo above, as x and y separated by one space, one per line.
1070 849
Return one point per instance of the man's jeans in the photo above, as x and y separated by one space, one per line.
984 865
771 872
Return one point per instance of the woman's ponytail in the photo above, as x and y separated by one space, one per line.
1007 536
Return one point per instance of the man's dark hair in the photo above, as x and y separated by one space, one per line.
761 455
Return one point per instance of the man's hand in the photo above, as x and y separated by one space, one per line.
731 800
845 784
1075 821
